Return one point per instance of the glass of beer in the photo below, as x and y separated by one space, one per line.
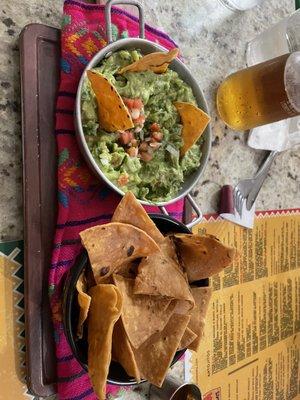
262 94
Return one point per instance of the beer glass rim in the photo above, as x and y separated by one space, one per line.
291 67
291 41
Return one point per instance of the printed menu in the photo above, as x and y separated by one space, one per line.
251 348
12 329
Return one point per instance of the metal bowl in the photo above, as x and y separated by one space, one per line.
146 47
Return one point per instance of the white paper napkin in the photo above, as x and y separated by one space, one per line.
246 220
278 136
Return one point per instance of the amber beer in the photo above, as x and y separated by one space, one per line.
261 94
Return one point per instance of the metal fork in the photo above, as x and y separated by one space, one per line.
247 190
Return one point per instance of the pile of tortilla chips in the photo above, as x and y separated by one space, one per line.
143 305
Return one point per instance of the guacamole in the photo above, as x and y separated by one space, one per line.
146 159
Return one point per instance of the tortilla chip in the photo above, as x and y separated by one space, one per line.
157 62
84 301
105 309
168 248
129 269
194 121
182 307
158 275
107 280
201 296
112 113
130 211
188 337
122 351
142 316
113 244
155 356
89 277
202 256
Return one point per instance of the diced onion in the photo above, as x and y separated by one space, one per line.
135 113
104 161
174 152
142 135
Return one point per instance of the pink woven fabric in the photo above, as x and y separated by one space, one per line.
83 200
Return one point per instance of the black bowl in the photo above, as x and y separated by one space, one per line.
117 374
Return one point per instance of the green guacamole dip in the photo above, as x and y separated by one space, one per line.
159 178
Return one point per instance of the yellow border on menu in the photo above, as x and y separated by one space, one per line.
12 356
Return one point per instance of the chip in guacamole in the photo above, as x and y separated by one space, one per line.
113 115
157 62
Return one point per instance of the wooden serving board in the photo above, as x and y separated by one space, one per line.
40 55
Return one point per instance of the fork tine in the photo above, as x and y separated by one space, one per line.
235 196
238 203
242 199
241 204
238 200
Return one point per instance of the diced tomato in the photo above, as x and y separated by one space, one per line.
128 102
123 179
132 151
157 136
146 156
133 103
125 137
137 103
155 127
143 146
140 120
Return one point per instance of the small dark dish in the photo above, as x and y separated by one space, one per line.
116 375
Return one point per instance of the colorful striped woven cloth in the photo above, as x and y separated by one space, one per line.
83 200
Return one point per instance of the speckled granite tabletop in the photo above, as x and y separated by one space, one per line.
212 40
